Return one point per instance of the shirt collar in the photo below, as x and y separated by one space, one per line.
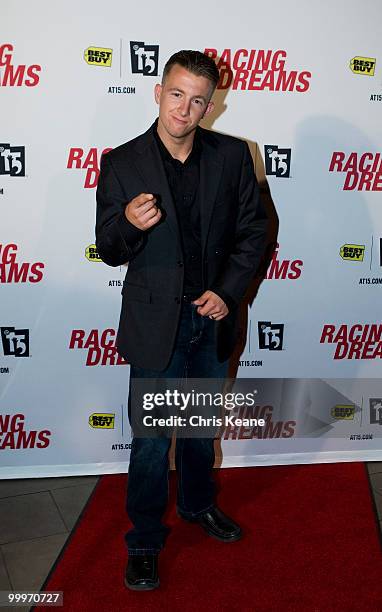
165 153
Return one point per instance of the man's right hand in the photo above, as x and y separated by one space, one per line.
142 211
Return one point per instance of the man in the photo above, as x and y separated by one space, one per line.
181 205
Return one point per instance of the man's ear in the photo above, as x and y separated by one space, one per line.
209 109
157 92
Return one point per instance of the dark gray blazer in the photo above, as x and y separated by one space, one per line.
233 231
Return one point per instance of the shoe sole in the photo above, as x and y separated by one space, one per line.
142 587
233 538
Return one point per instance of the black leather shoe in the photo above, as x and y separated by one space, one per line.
217 525
142 572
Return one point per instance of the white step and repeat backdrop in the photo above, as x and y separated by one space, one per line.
303 85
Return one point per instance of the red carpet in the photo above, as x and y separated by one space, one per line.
311 544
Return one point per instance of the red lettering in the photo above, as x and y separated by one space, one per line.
8 441
231 432
36 272
43 438
341 350
303 81
342 334
278 269
91 159
272 430
375 332
18 273
91 178
4 422
365 181
92 339
278 61
377 166
378 351
337 159
269 81
257 432
5 58
241 77
368 351
225 78
352 163
109 355
295 269
362 165
354 333
104 341
285 81
351 181
245 433
377 185
14 423
355 350
225 59
94 356
211 53
74 158
13 75
77 338
255 78
327 334
8 253
26 440
236 59
289 427
33 75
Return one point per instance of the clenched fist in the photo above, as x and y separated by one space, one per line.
142 211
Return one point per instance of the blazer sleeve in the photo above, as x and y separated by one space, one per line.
250 236
117 239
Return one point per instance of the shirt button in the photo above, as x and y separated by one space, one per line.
180 264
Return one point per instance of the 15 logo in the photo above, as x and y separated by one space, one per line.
277 161
271 336
15 341
144 58
375 410
12 160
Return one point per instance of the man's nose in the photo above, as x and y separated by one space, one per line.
184 107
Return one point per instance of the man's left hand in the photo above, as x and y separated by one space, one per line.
211 305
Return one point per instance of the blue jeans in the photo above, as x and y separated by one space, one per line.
194 356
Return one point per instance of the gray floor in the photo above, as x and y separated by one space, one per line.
37 515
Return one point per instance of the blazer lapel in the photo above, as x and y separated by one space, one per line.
150 167
211 168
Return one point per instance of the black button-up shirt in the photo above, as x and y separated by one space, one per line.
183 180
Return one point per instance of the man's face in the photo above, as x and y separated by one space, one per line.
184 98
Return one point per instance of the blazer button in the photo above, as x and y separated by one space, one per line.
177 300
